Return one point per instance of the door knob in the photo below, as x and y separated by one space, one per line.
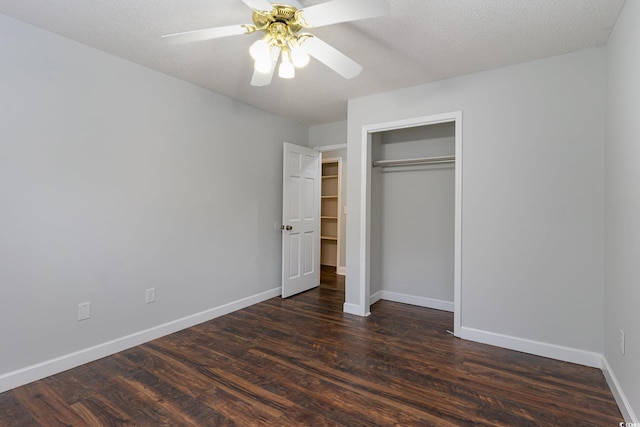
288 228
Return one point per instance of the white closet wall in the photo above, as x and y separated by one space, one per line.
412 214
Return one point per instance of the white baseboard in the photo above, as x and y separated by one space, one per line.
355 309
552 351
375 298
341 270
44 369
621 399
413 300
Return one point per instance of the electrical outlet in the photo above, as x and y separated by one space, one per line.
150 295
84 311
622 341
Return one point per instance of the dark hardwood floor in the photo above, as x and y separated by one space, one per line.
302 362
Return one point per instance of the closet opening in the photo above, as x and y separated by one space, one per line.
333 209
330 213
411 197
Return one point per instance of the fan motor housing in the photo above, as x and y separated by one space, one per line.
281 13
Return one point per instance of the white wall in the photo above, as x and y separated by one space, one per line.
532 198
115 178
412 216
622 284
328 134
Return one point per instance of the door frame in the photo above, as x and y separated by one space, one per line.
334 147
364 288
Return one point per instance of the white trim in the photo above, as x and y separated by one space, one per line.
552 351
365 205
457 267
419 301
341 270
621 399
334 147
355 309
375 298
41 370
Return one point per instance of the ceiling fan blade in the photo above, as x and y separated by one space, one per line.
263 79
258 4
207 34
335 11
331 57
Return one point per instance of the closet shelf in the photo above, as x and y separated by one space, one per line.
329 238
328 217
329 197
416 161
329 176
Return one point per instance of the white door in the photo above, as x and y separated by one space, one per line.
300 219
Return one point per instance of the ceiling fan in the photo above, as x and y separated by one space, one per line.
282 23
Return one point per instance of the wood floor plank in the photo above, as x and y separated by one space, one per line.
303 362
46 406
96 410
219 375
13 413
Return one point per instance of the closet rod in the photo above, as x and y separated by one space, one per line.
418 161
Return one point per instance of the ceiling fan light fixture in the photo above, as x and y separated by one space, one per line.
281 24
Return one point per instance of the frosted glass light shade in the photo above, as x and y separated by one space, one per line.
299 56
259 51
286 70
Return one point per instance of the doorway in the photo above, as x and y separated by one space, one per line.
333 208
305 217
364 265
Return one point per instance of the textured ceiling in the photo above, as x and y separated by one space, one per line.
418 42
